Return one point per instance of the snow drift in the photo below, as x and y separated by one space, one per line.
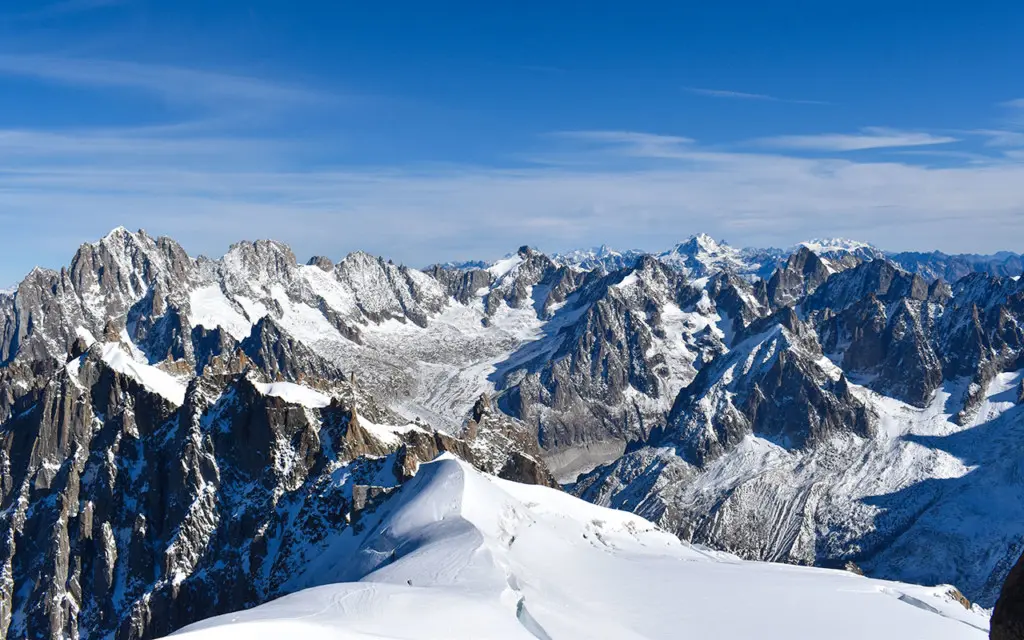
457 554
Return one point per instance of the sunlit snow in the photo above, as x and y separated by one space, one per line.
152 378
294 393
457 554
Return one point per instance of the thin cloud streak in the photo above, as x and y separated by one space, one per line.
868 138
634 144
156 147
1017 112
742 95
998 137
173 84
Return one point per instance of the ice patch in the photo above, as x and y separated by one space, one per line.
85 335
502 267
150 377
294 394
627 281
386 433
211 309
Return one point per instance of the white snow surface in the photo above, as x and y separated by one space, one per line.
826 245
211 309
150 377
701 255
457 554
387 433
502 267
294 393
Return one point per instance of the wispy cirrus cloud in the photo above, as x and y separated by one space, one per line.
998 137
1016 107
866 138
742 95
149 146
631 143
173 84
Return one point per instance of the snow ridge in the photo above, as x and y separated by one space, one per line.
456 554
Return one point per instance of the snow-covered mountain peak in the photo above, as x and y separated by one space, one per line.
834 244
120 233
457 554
602 257
256 251
359 256
701 256
700 242
254 267
705 242
505 266
840 248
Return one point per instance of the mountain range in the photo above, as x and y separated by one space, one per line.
185 437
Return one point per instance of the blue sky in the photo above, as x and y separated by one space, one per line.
449 130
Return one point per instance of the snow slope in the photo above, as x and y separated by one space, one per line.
152 378
294 393
456 554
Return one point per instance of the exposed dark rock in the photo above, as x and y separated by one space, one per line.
283 357
1008 616
321 262
576 397
802 274
461 284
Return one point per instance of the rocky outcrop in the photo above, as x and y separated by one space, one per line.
504 446
321 262
603 377
1008 615
461 284
802 274
281 356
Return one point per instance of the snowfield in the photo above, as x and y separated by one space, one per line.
294 393
152 378
457 554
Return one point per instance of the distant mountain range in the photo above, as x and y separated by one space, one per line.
701 254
